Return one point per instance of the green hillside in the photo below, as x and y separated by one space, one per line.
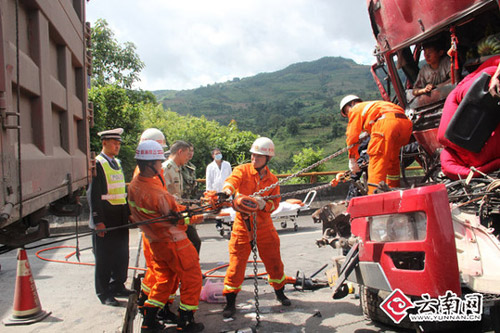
297 107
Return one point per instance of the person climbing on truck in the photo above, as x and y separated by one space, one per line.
389 130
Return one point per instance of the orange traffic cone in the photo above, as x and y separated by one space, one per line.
27 308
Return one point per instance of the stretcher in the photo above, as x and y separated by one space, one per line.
287 211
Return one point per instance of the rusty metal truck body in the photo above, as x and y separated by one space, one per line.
43 110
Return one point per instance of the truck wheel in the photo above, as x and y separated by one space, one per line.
370 303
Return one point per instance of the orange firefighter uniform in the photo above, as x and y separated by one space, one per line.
246 180
172 252
389 130
149 279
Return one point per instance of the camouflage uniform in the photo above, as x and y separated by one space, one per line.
173 178
175 186
190 185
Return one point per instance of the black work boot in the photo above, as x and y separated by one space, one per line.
280 295
140 302
150 323
187 324
230 307
167 316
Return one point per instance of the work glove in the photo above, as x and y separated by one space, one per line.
353 166
223 196
100 226
260 201
339 178
196 219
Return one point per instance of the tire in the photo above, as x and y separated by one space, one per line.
370 304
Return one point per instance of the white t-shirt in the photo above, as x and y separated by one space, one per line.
215 177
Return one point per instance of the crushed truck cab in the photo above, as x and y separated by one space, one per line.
406 236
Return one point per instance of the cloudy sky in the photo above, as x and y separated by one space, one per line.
190 43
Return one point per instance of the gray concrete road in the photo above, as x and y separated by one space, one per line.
67 290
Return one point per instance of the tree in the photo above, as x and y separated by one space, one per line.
112 62
203 134
305 158
112 109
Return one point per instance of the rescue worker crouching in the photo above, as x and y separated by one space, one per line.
389 130
247 179
173 253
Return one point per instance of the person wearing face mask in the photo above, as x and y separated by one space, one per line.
217 172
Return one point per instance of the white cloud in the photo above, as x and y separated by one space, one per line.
186 44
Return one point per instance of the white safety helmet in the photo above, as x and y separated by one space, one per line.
154 134
263 146
149 150
346 100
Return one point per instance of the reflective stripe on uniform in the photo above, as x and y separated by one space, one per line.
115 185
226 287
277 281
155 303
115 182
231 186
145 288
144 210
367 106
113 196
393 177
186 307
272 204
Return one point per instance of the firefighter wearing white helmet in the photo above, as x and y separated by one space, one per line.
389 130
248 179
148 152
170 248
347 100
154 134
263 146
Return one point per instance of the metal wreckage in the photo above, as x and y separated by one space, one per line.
425 256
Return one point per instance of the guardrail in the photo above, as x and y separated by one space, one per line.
314 175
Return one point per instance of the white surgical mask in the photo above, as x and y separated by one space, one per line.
218 156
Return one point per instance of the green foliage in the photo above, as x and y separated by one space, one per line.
304 159
296 107
112 109
310 91
203 134
113 63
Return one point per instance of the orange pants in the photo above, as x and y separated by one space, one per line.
388 135
268 245
175 259
149 279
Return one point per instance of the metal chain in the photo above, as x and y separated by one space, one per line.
255 278
312 166
283 180
294 193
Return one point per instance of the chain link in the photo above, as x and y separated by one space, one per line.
255 278
312 166
283 180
